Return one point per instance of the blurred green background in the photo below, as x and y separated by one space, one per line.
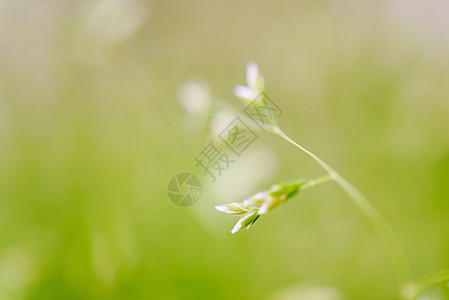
91 132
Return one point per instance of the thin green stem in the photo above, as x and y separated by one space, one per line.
314 182
413 289
378 221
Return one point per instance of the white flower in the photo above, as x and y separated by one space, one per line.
258 199
237 209
275 196
195 97
255 82
261 203
246 221
248 214
267 200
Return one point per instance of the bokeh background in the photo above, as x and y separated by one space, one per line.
92 130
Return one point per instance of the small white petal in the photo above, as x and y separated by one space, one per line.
269 205
243 222
237 226
252 73
261 195
223 208
249 226
257 199
254 78
233 208
263 209
245 93
240 206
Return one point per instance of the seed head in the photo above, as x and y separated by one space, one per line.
245 221
278 194
236 209
248 214
261 203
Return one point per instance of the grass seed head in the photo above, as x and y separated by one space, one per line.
261 203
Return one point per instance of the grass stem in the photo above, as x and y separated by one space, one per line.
314 182
367 208
413 289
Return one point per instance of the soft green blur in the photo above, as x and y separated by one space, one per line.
91 132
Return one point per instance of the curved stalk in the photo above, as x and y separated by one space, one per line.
373 215
412 290
316 181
